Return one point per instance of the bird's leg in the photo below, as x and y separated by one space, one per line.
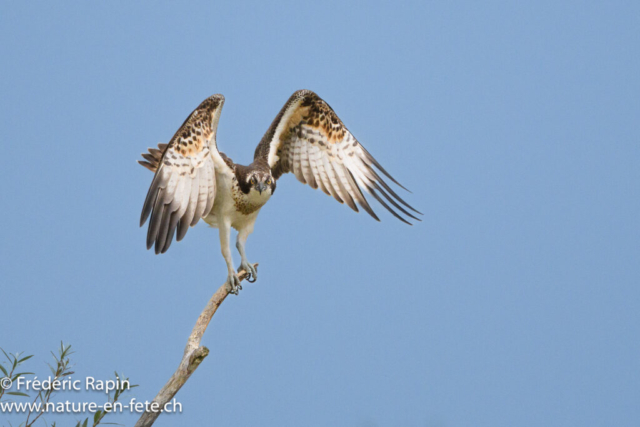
232 279
245 264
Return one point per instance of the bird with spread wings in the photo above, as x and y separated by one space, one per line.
194 180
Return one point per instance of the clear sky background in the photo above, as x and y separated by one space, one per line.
516 125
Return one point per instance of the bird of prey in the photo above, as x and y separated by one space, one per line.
194 180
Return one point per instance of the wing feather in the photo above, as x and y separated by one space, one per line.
202 196
328 167
211 190
362 201
326 179
185 220
308 165
344 186
297 162
184 186
315 156
156 219
308 139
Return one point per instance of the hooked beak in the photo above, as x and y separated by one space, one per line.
261 187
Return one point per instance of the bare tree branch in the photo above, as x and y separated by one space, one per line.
194 354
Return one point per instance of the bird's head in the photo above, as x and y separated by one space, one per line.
261 181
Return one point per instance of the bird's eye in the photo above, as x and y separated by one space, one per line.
268 181
253 180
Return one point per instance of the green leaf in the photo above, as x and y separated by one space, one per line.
6 374
15 377
17 393
25 358
86 421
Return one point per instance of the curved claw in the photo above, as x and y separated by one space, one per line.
234 284
252 273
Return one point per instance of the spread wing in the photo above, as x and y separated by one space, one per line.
184 185
309 139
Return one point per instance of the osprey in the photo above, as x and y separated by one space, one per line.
194 180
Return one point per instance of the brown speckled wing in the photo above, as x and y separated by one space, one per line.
309 139
184 186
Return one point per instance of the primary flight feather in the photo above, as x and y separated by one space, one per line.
194 180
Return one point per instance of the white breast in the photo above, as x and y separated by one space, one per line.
233 206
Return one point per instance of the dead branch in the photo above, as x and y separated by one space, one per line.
194 354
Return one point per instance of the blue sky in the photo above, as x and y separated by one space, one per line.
515 125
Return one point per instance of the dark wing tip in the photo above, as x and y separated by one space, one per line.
365 205
183 227
373 161
387 207
146 211
147 165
